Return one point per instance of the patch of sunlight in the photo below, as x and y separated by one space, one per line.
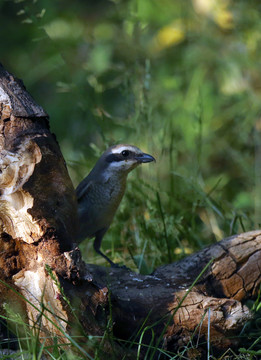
232 80
63 29
104 31
186 250
224 18
168 36
99 59
217 10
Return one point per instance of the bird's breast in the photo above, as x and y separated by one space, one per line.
110 194
97 208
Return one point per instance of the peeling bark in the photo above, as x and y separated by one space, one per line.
38 222
37 215
231 279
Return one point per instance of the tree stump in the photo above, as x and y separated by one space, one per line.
43 275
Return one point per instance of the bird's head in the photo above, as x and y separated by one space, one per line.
121 159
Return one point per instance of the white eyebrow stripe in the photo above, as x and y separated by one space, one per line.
118 150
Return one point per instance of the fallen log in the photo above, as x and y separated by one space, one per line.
41 271
231 276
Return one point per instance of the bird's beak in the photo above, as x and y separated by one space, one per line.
144 158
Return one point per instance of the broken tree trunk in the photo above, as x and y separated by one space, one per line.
42 273
37 216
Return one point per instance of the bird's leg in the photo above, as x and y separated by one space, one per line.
97 244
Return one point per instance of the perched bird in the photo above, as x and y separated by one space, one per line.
101 192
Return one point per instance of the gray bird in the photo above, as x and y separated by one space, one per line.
101 192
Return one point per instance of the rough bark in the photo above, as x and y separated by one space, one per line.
37 216
38 260
232 277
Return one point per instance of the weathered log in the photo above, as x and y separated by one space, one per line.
231 278
38 259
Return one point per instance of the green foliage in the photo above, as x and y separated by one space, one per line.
179 79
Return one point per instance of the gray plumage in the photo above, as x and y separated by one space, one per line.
101 192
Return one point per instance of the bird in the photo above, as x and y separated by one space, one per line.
100 193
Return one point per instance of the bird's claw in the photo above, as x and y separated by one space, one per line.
117 266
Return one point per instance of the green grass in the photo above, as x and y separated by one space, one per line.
32 344
177 79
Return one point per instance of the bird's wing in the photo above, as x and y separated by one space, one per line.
83 188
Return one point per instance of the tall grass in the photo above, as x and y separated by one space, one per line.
179 79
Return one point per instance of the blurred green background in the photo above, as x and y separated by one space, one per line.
179 79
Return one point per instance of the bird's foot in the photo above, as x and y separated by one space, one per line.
117 266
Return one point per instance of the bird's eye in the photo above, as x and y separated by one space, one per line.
125 153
